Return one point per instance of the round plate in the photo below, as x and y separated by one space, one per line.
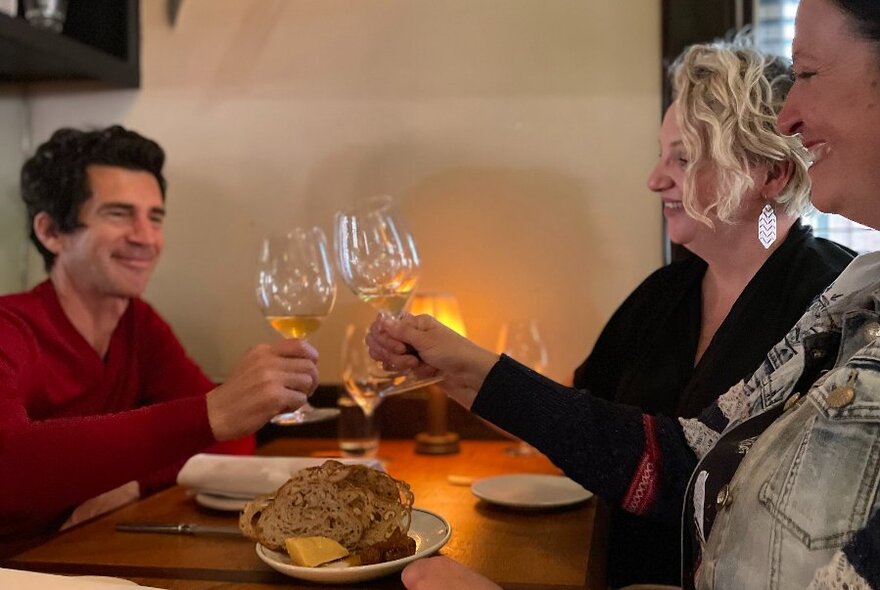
430 530
531 491
224 503
313 415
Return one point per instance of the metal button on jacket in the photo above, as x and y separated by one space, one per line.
724 498
872 331
791 401
841 397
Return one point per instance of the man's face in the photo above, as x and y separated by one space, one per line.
116 250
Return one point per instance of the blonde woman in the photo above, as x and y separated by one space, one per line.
693 329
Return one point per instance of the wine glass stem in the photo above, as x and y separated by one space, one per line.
410 349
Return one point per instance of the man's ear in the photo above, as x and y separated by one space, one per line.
47 232
777 178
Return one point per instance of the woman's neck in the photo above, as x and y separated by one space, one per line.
732 262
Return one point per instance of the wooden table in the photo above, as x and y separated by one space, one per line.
561 549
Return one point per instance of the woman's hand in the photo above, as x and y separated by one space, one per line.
442 573
462 364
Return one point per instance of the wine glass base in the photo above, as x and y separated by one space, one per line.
298 417
410 384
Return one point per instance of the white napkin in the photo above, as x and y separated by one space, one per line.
23 580
247 476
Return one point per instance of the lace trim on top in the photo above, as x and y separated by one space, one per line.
734 404
838 575
700 437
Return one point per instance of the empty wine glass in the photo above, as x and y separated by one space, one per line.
378 260
366 383
521 341
296 291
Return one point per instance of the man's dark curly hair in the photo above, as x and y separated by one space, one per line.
54 179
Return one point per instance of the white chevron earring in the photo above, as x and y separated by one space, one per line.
767 226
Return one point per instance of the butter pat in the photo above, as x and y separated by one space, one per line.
313 551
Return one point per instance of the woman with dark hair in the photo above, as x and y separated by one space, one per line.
99 402
781 476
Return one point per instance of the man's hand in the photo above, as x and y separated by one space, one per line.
463 364
442 573
268 380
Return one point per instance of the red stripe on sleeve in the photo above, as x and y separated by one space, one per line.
642 493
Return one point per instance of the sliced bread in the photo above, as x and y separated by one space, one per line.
355 505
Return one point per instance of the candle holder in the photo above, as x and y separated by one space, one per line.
437 440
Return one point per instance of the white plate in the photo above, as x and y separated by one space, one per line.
530 491
224 503
315 415
430 530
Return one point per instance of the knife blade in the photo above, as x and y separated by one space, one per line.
179 528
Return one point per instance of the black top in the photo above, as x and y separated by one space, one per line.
644 357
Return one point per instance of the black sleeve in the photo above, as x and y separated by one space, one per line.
863 551
596 443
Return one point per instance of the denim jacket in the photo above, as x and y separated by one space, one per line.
797 509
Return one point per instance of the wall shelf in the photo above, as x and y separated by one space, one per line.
100 42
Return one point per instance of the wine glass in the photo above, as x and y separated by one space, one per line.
366 383
378 260
296 291
521 340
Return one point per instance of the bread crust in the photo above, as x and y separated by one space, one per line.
353 504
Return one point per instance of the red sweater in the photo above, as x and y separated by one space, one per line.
73 425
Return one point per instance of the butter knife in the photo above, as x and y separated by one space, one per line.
180 528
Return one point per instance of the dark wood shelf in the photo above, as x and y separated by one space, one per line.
100 42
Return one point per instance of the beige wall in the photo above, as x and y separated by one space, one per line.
515 134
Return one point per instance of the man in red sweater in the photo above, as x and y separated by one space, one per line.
97 396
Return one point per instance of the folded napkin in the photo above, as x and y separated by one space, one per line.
23 580
245 477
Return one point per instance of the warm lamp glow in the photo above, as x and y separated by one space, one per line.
442 306
437 440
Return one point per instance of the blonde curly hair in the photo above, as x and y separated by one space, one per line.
728 96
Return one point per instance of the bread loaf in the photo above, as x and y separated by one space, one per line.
355 505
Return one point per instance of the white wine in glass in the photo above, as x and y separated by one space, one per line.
378 260
296 291
295 326
376 254
391 303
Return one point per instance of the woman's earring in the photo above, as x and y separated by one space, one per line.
767 226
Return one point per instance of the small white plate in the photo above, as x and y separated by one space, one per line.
224 503
531 491
430 530
313 415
